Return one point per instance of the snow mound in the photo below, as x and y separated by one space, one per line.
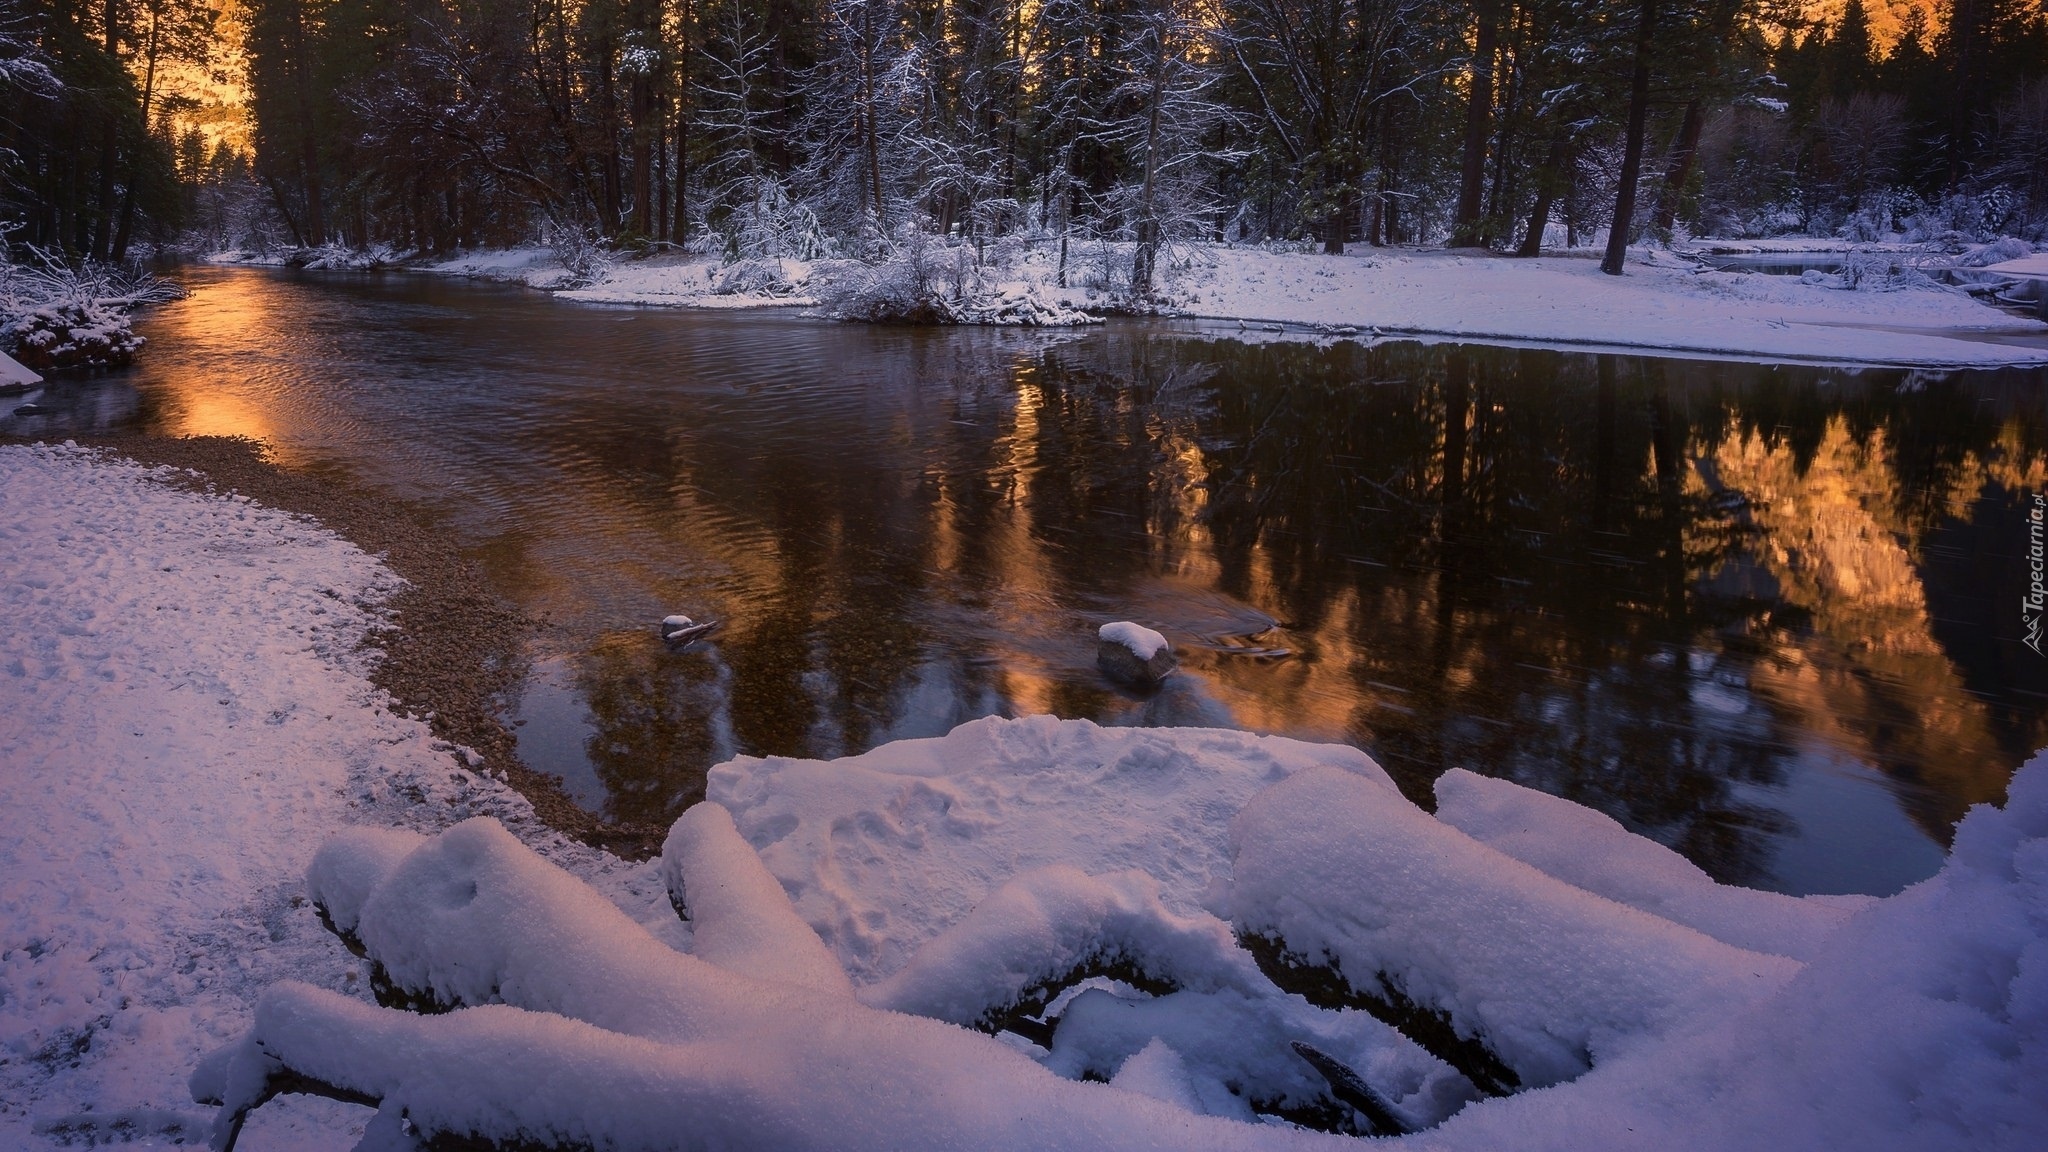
1052 922
882 851
1143 642
572 1025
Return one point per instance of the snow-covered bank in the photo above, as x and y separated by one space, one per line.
1665 302
183 718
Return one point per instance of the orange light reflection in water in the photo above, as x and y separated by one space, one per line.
231 317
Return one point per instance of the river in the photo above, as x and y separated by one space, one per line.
1770 615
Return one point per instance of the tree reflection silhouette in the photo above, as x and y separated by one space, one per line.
1650 586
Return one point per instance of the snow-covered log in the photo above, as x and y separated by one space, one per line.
1335 871
1920 1022
577 1028
1049 928
742 918
1591 850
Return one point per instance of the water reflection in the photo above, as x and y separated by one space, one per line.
1761 614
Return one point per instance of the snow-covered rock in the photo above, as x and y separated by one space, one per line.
1133 654
15 376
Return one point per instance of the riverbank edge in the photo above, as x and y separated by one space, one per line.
454 655
1662 308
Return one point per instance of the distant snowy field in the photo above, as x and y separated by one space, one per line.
187 724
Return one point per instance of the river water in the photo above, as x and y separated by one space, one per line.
1771 616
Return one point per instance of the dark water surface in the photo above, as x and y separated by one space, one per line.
1771 616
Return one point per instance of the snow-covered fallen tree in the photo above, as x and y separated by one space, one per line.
1519 926
54 316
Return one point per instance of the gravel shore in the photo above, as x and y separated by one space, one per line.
455 653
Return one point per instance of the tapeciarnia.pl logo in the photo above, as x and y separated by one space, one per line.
2032 609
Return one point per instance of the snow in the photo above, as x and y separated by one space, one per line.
14 376
1143 642
700 282
1664 301
1591 850
578 1026
1921 1023
882 851
1552 977
1661 302
185 719
184 714
190 732
742 920
2031 267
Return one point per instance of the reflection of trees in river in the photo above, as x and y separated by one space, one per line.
1565 601
661 719
1641 584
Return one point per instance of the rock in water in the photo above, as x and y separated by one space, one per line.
680 630
1133 654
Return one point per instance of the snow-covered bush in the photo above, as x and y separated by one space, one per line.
53 316
1963 218
771 276
71 334
766 224
580 251
924 281
1997 252
341 258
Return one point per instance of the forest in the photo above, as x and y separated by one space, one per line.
814 128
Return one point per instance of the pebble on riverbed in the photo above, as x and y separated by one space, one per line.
1133 654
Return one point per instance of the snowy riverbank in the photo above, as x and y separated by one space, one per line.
186 717
189 721
1665 301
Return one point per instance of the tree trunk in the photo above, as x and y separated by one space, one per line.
1147 251
284 209
871 131
642 95
1547 180
1466 227
102 229
1683 150
1632 154
309 148
608 114
127 228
